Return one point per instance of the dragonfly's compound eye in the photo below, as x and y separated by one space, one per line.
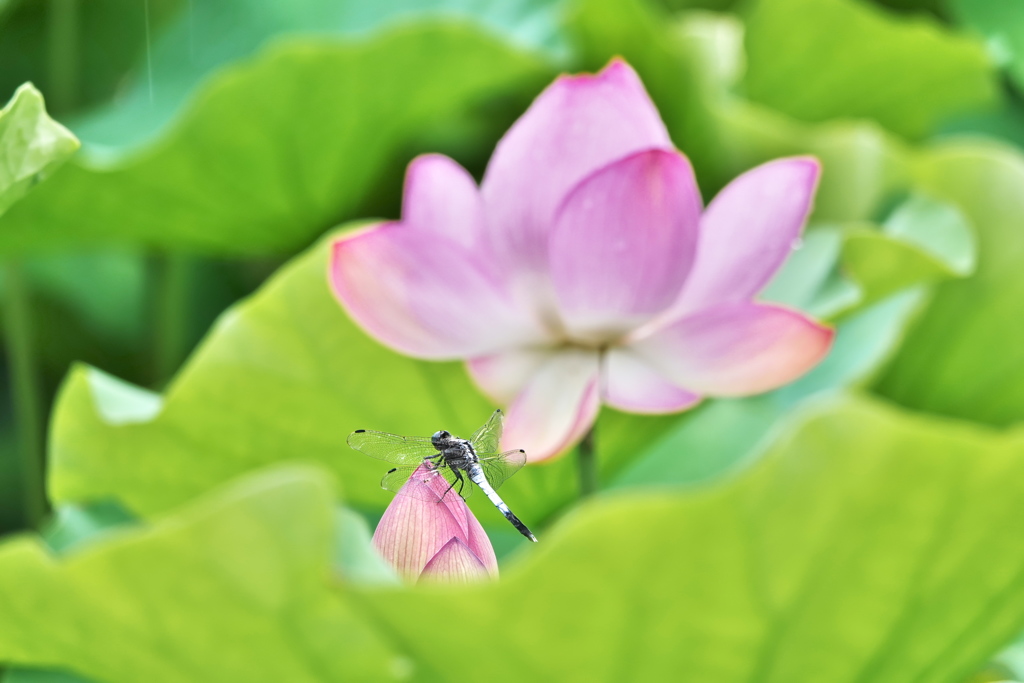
439 438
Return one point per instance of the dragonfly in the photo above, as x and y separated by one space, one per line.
444 455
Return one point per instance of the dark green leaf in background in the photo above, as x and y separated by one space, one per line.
32 147
78 53
276 150
205 36
1002 24
823 59
112 306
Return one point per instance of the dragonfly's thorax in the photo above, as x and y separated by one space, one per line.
457 453
422 465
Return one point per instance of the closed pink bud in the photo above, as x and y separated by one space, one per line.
429 532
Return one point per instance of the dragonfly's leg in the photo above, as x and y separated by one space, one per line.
458 480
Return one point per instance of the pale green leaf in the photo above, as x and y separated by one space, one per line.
964 356
938 229
41 676
811 280
32 145
72 526
78 53
283 375
237 587
923 241
869 545
355 558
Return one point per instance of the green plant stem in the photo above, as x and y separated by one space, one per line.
586 455
172 294
62 59
28 417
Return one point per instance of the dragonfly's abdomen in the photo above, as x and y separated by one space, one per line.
476 475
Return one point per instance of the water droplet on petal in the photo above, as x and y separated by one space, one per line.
796 244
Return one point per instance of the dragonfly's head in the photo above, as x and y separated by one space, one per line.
440 439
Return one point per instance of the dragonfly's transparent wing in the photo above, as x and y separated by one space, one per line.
487 438
497 466
398 450
434 482
397 477
500 466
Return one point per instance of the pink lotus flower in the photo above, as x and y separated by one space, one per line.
584 270
429 533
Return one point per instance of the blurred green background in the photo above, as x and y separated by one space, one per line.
180 381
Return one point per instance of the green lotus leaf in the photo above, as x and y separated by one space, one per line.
868 545
822 59
32 145
234 588
41 676
1002 24
273 151
922 242
191 44
963 356
283 375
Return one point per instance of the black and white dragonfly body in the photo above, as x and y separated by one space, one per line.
449 458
